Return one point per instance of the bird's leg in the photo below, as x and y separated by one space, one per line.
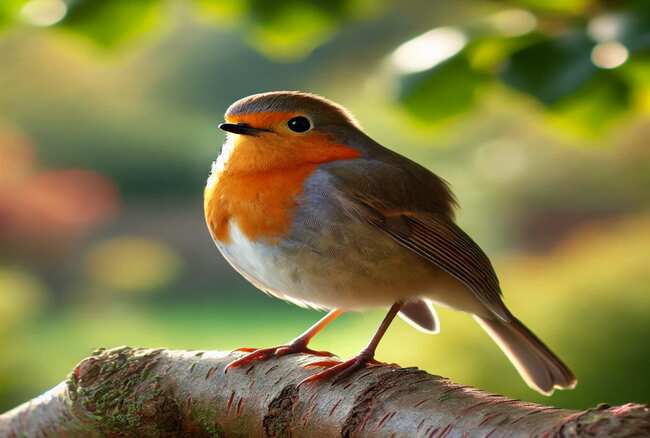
363 359
298 345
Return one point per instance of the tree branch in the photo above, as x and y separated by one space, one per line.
130 392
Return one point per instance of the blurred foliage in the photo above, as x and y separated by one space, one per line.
571 56
111 23
109 128
452 85
282 29
289 28
551 69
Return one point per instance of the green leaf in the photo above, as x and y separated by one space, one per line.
284 29
291 28
111 23
552 68
637 73
444 91
221 11
596 106
293 31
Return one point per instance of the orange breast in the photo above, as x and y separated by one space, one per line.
260 182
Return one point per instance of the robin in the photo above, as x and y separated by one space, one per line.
309 209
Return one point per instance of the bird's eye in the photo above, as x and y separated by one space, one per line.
299 124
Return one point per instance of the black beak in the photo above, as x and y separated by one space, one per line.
240 128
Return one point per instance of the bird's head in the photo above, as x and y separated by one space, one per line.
286 129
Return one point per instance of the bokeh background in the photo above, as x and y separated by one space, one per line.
536 111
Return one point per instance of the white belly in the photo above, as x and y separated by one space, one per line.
346 277
265 266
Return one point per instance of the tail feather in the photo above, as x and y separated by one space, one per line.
538 366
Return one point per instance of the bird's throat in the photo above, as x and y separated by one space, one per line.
256 183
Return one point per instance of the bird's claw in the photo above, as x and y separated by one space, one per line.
339 370
245 350
261 354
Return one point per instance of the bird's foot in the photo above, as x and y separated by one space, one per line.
261 354
340 370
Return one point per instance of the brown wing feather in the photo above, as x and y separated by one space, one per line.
444 244
437 239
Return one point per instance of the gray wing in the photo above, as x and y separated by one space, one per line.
423 228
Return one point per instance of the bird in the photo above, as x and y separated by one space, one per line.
310 209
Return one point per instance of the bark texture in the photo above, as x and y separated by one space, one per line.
129 392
